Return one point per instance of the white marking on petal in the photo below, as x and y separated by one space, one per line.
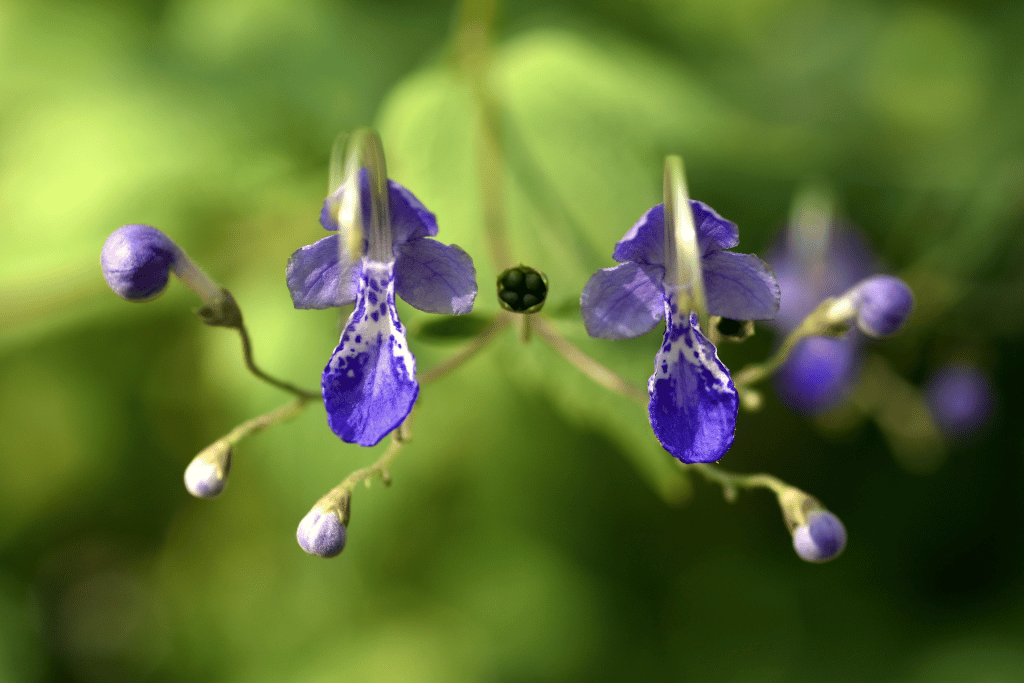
685 347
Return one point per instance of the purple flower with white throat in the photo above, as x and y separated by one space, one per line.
661 275
369 384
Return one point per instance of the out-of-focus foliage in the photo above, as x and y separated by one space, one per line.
527 534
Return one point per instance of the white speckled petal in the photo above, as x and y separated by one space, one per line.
693 400
623 302
435 277
369 384
315 279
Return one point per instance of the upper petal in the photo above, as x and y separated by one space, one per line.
369 384
315 278
713 231
693 400
740 286
409 218
435 277
622 302
645 241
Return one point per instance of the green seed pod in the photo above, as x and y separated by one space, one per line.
522 289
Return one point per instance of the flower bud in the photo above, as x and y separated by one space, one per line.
207 474
137 260
321 532
821 539
883 305
522 289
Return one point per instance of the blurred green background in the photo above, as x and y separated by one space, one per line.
534 530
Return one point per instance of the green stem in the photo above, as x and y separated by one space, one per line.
587 365
442 369
303 395
473 49
818 322
399 438
730 481
261 422
225 312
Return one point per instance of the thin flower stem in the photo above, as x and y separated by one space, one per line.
815 323
442 369
302 394
399 438
730 481
526 327
473 49
261 422
587 365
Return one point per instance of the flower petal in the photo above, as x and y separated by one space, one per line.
622 302
370 384
645 241
409 218
713 231
740 286
693 400
315 279
435 277
819 373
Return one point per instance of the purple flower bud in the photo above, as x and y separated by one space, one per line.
207 474
821 539
883 304
960 399
137 260
321 533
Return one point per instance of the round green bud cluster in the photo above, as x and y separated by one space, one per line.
522 289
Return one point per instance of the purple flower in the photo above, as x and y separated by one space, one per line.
821 261
693 400
369 385
821 539
812 267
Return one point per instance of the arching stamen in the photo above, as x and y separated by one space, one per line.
365 151
684 277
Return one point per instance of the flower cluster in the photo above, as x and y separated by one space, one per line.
674 265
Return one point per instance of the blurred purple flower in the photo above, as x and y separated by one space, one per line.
960 399
820 370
